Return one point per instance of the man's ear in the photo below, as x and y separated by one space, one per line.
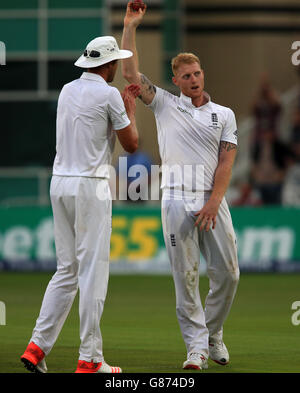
110 64
174 80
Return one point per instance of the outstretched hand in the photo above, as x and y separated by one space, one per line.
133 18
133 89
129 94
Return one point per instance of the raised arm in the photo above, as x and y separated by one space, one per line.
130 66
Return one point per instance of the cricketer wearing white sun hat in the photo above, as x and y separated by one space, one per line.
101 50
91 114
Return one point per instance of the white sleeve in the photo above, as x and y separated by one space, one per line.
229 133
158 100
116 110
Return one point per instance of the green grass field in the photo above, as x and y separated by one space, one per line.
140 329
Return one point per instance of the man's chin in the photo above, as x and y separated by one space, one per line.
197 93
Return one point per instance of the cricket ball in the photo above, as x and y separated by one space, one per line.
137 4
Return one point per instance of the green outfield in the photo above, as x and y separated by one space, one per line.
140 330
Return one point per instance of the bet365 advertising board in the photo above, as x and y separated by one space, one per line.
268 239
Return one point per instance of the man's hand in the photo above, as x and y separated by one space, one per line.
207 216
137 4
133 18
129 136
129 94
134 90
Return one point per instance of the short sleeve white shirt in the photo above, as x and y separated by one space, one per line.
189 138
88 112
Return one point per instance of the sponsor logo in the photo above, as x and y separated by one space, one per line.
184 111
262 245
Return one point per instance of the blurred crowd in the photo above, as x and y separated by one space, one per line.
274 173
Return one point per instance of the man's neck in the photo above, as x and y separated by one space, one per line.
199 101
101 73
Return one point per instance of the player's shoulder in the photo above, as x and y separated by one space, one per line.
166 95
72 85
162 99
224 111
67 90
112 90
104 92
69 85
220 108
113 95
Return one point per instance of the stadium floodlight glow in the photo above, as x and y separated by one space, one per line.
2 53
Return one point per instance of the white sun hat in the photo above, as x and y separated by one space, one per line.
100 51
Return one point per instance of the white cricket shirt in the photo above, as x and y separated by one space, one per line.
189 139
88 111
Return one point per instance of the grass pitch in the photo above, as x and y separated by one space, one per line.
140 330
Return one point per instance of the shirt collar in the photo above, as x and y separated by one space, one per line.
92 77
188 101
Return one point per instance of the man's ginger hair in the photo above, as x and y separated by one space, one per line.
184 58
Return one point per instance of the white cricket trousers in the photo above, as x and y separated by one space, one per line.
82 229
184 243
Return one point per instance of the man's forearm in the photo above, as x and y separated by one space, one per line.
221 182
130 66
132 119
208 214
227 154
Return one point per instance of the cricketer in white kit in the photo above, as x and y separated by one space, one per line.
90 114
197 143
